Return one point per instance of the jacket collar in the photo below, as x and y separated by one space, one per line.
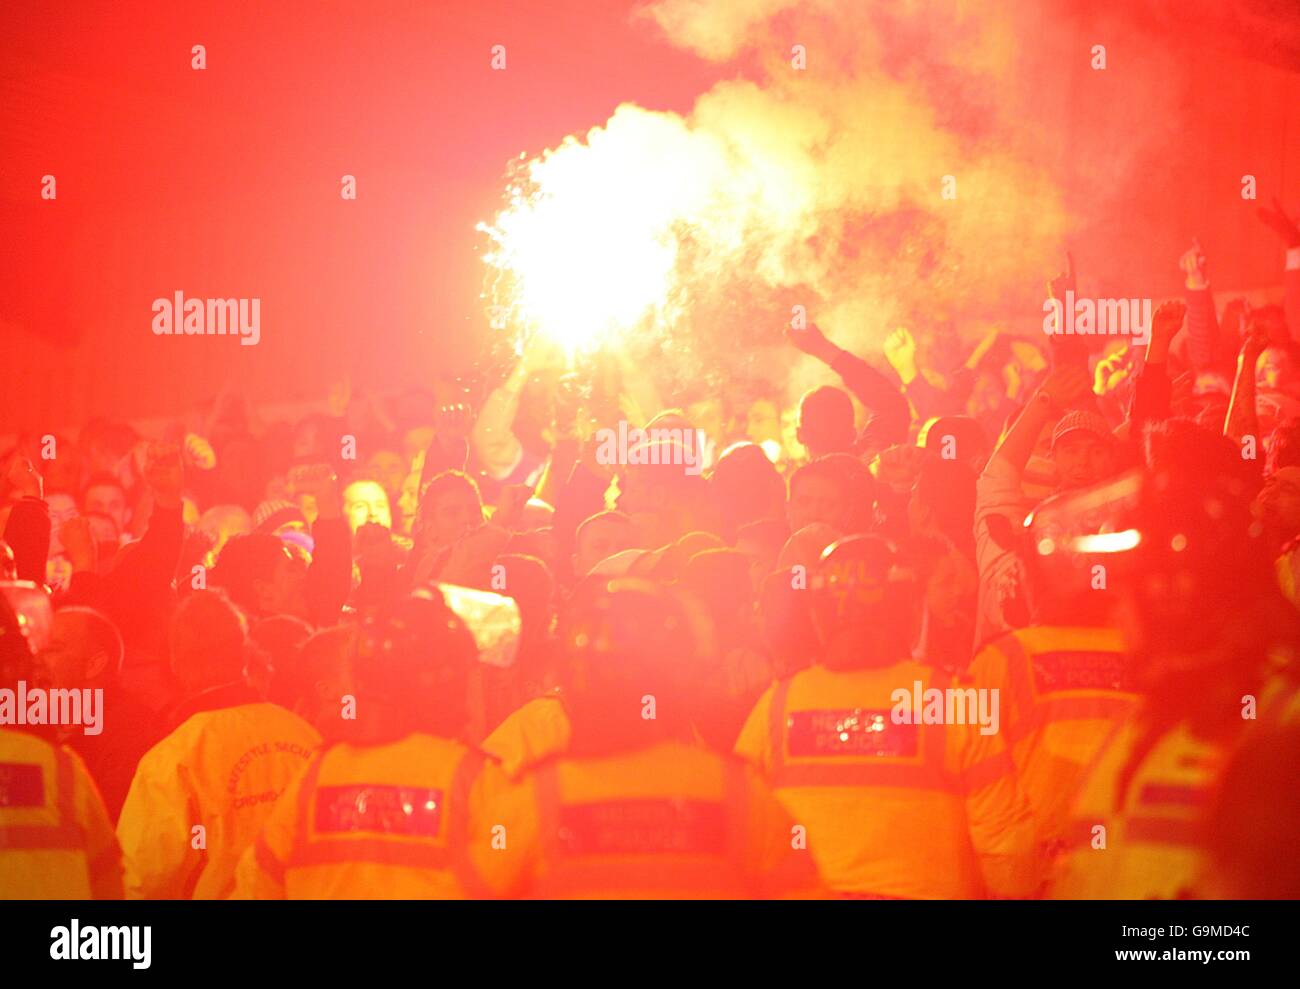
214 699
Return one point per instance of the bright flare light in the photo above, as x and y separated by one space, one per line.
584 250
687 239
590 244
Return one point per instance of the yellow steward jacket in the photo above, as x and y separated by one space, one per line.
200 796
56 841
667 821
530 734
893 809
1061 692
374 822
1143 843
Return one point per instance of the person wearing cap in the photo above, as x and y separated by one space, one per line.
384 810
635 807
277 569
281 568
278 517
893 807
1083 449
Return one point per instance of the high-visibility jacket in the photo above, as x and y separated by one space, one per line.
200 797
374 822
56 841
1144 843
667 821
892 809
530 734
1061 691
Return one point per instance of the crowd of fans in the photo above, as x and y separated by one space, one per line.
1090 543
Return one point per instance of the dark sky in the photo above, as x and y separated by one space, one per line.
225 182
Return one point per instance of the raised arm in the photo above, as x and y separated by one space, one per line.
890 414
1152 394
160 546
1202 322
1242 419
28 530
1277 220
492 437
901 352
1064 387
1067 349
329 578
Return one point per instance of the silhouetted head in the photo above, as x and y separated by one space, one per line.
826 422
631 653
263 576
206 637
863 604
411 669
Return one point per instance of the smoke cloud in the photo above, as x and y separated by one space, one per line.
881 164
